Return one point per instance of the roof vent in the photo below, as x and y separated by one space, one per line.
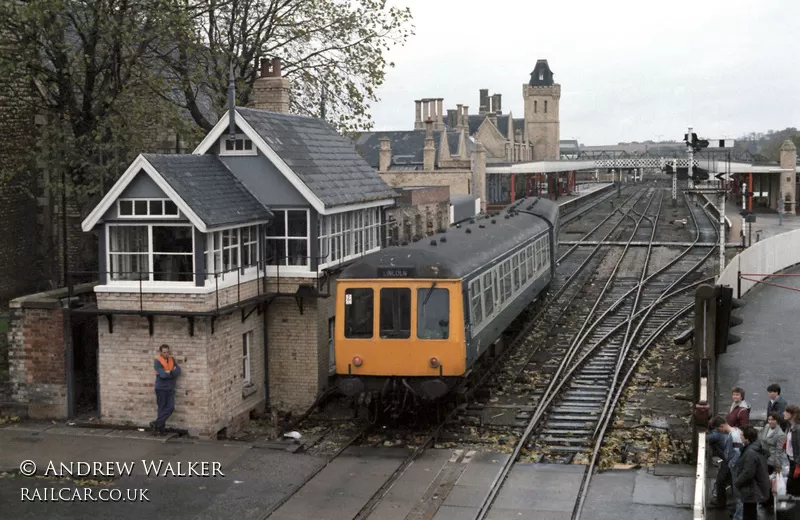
458 226
469 230
433 242
472 221
404 244
507 217
481 226
494 221
443 239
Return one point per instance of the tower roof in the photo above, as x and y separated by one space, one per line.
541 76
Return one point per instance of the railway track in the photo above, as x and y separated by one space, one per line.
596 368
573 413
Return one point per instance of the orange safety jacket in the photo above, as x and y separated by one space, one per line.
168 365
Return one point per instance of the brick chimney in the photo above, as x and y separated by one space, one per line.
484 101
385 155
271 90
429 151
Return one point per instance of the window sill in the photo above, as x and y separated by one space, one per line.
152 288
248 390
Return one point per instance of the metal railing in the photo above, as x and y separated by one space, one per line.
145 280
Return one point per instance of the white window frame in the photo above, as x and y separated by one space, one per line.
532 257
150 281
134 200
214 245
239 137
247 356
291 269
343 232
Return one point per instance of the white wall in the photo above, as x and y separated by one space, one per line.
768 256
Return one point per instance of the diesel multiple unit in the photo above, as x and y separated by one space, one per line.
417 317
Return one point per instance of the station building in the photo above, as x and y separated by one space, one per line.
230 255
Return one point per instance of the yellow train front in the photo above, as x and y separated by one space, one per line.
416 318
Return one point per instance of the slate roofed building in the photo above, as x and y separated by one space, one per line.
229 255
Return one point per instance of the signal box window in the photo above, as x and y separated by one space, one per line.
433 313
395 313
359 308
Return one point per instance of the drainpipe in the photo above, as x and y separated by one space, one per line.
262 233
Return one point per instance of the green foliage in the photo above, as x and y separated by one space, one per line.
83 66
333 46
768 144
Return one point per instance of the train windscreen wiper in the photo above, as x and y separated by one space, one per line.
428 296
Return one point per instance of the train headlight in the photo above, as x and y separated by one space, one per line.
357 361
434 362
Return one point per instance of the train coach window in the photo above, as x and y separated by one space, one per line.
395 313
433 313
488 294
358 313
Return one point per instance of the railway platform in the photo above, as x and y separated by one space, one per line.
767 350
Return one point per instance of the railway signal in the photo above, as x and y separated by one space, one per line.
724 320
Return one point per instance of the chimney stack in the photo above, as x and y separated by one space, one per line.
465 118
417 114
496 107
426 109
385 155
271 91
429 151
484 101
459 116
439 113
453 120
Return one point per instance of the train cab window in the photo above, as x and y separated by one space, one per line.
433 313
395 313
359 309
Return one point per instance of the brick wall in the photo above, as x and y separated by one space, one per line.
543 127
209 394
20 268
37 366
407 223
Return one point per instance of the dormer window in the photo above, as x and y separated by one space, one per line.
240 145
541 75
147 208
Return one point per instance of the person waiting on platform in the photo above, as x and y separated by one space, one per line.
792 416
777 404
739 415
772 440
751 476
727 443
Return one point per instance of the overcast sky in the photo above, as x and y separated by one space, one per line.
628 69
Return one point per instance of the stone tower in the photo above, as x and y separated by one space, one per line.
542 126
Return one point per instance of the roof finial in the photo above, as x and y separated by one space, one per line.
231 104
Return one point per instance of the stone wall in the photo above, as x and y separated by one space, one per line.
459 181
543 127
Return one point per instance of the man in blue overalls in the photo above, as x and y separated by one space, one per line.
167 370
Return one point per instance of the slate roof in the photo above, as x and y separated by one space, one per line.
209 188
324 160
458 253
407 146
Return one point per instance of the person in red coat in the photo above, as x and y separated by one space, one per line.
739 415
